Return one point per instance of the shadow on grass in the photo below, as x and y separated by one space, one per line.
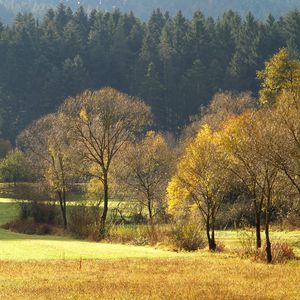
6 235
8 212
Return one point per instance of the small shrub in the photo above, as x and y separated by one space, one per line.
35 218
138 218
40 212
43 229
29 226
220 247
141 241
247 241
281 252
84 221
93 231
158 233
187 237
132 234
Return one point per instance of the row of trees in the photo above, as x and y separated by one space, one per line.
257 151
237 148
175 64
143 8
82 140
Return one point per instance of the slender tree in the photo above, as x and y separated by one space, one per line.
144 171
46 145
202 180
238 140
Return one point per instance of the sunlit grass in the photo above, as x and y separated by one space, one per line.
59 267
203 276
231 238
16 246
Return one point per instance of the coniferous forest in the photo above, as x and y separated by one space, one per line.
174 63
143 8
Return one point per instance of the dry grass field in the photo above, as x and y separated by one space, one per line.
203 276
53 267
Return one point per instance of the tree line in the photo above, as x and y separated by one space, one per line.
175 64
237 148
143 8
256 149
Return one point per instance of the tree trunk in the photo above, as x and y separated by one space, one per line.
102 232
208 232
153 234
210 240
257 226
150 211
213 241
268 242
258 210
63 207
65 210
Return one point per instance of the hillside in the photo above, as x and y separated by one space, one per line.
175 64
143 8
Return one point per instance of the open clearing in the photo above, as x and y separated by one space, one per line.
50 267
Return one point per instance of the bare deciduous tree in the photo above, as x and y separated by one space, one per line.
144 171
223 106
45 143
100 123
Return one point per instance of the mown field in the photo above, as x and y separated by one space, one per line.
48 267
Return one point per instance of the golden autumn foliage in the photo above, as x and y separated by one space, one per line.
236 147
280 73
201 179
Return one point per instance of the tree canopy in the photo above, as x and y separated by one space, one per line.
143 8
176 64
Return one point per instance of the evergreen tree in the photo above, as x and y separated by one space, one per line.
176 64
245 60
291 30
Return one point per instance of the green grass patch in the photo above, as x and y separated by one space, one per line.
20 247
16 246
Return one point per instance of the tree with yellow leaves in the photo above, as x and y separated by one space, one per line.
246 140
284 142
280 73
202 180
237 141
